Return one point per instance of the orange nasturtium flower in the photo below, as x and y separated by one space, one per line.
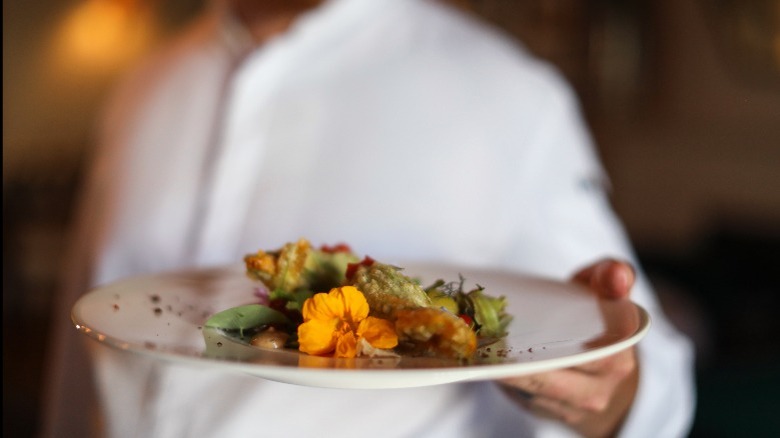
335 322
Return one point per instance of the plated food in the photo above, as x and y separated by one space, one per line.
328 301
162 316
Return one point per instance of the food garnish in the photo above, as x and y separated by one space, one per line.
327 301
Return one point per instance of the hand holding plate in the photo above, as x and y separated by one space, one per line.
595 397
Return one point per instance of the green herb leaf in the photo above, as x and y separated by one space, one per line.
246 317
489 313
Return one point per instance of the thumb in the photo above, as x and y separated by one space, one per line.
608 278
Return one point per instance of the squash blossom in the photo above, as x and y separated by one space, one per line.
337 321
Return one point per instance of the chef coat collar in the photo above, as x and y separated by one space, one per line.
330 16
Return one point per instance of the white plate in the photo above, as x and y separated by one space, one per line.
556 325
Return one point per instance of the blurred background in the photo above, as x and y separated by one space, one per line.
683 98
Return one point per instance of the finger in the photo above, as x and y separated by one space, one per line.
618 365
573 388
519 396
608 278
588 422
556 410
545 407
538 405
583 386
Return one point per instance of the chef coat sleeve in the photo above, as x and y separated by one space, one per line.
580 227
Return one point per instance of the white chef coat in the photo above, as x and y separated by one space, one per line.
401 127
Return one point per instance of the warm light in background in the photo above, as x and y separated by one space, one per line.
60 75
103 36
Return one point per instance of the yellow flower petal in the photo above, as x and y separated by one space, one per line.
346 303
380 333
355 304
318 336
346 346
336 320
323 306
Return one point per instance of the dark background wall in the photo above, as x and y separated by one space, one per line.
683 98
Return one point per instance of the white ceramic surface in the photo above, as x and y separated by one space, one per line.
556 325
